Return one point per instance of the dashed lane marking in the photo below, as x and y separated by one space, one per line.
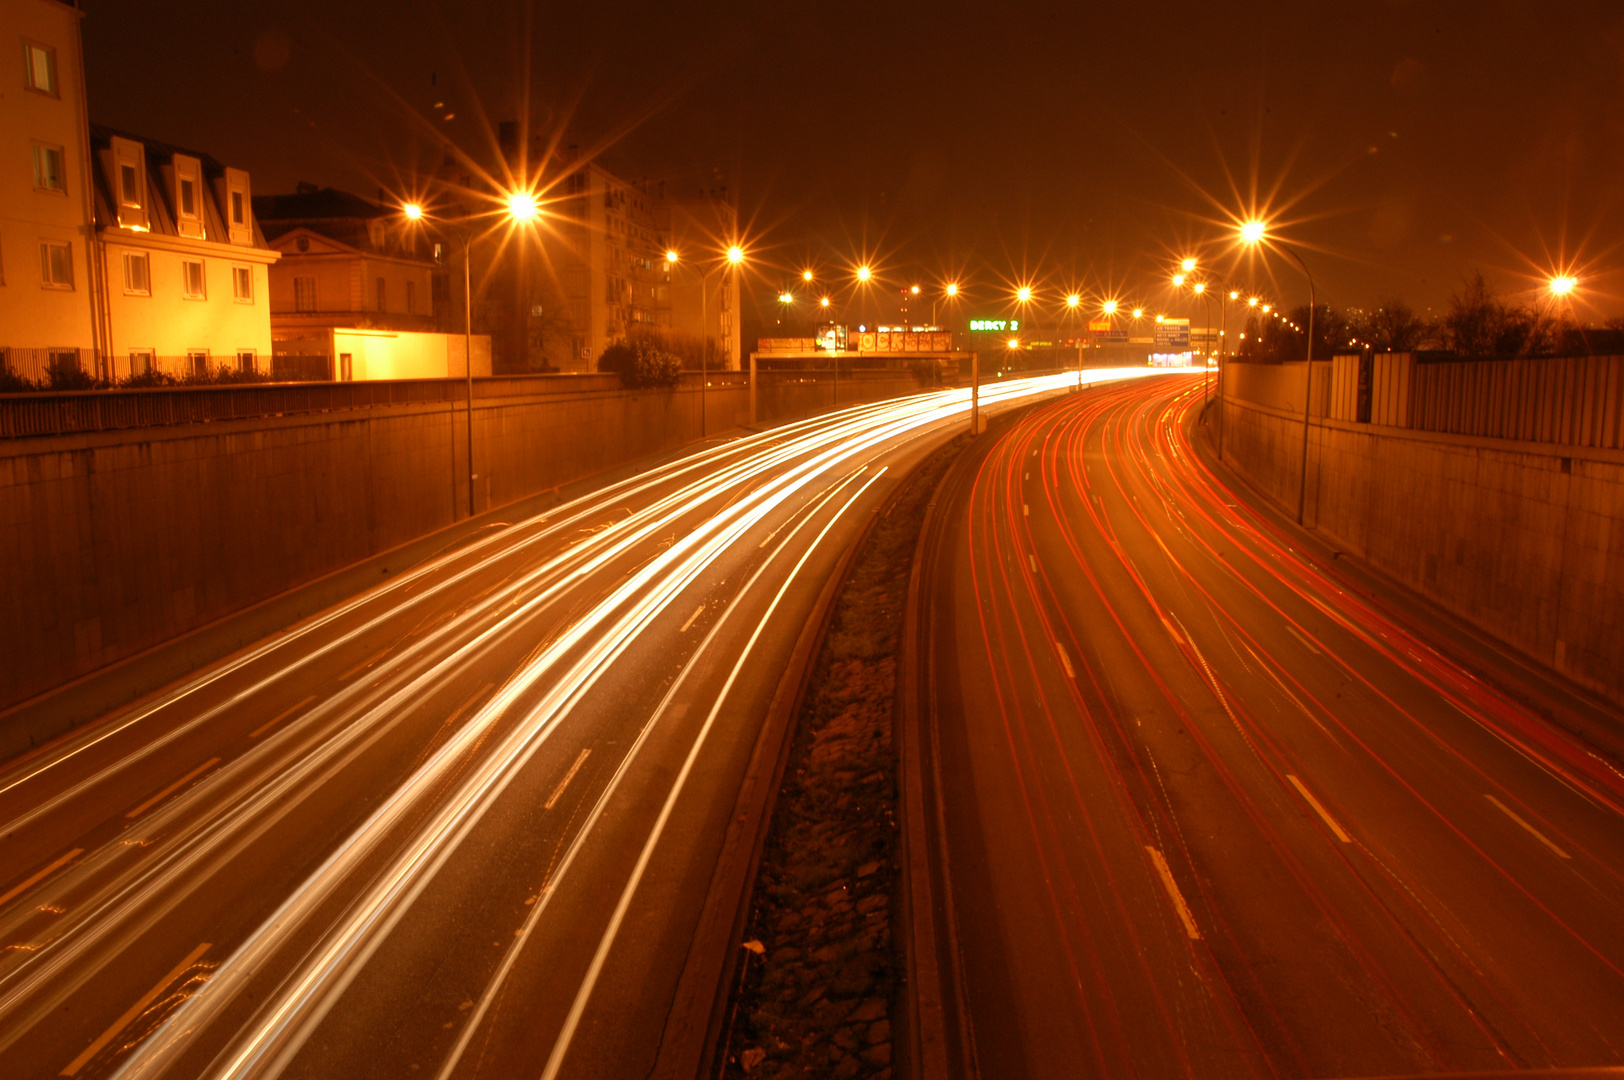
279 717
135 1010
564 783
1309 645
1172 887
18 890
1065 661
700 610
1308 796
1504 809
172 788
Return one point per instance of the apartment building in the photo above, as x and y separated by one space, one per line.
345 262
48 285
187 267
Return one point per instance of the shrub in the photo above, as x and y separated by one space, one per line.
641 364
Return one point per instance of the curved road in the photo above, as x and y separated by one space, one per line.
461 825
1216 804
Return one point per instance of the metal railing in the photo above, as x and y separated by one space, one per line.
29 415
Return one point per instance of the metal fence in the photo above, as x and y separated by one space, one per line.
1573 400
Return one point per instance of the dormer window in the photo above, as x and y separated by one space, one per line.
234 194
188 177
128 167
129 186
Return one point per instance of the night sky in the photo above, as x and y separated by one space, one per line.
1402 143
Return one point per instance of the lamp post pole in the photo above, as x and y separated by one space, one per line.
1308 383
468 355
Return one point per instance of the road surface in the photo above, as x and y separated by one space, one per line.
461 825
1216 804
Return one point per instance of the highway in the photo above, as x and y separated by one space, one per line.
460 825
1215 803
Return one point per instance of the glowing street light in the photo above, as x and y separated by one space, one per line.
523 206
1199 287
1161 318
1013 343
735 255
824 302
1074 301
864 273
914 290
1024 294
786 298
1251 301
735 258
413 211
671 258
1139 313
806 275
1253 232
952 288
1234 294
1187 265
1109 307
1563 285
1178 280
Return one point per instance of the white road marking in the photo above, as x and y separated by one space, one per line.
134 1010
1065 661
18 890
564 783
700 610
1309 645
1512 814
279 717
1032 560
1172 887
172 788
1320 810
1026 511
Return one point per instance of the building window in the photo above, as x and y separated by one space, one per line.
39 67
192 280
304 294
411 298
381 306
129 186
237 216
242 283
141 362
188 196
197 363
55 265
137 274
247 360
48 168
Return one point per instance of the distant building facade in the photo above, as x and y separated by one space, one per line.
353 296
49 297
187 268
119 256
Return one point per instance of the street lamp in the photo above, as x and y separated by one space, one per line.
522 207
1109 307
1187 265
1253 233
734 258
864 273
1563 285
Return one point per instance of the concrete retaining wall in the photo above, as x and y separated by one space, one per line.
1524 539
114 542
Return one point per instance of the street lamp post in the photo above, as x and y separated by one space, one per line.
735 256
1255 232
521 207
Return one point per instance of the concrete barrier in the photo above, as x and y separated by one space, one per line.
117 541
1523 539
